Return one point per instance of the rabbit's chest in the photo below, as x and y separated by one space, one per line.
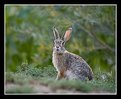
58 61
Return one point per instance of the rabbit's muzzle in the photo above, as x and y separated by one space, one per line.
58 49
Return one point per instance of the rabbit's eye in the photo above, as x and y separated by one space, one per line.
63 43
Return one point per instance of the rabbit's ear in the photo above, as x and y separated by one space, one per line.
56 33
67 34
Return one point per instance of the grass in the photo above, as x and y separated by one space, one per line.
15 89
25 80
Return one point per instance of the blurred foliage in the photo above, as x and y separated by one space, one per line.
29 34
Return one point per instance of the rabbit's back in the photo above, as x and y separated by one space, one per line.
77 66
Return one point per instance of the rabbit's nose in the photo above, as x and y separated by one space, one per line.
57 48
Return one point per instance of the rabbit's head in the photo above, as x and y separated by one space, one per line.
59 42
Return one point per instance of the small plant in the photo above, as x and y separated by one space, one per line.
33 70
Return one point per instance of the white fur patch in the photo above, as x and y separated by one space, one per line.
70 75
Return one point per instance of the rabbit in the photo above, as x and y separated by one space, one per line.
68 65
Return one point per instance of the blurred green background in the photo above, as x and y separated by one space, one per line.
29 36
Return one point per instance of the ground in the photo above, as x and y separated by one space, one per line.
43 81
